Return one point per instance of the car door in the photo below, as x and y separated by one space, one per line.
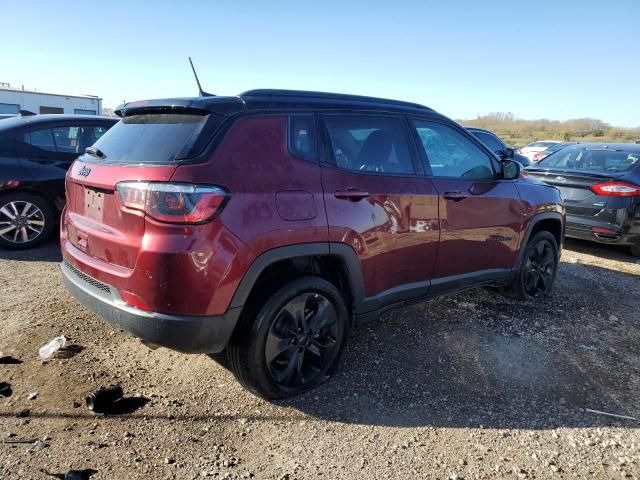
480 213
378 204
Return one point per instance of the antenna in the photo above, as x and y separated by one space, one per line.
200 91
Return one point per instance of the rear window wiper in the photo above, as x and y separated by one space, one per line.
95 152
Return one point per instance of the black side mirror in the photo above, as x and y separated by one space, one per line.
506 154
510 169
509 153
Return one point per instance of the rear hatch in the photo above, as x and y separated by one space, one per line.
580 172
147 145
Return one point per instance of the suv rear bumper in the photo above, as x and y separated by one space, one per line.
189 334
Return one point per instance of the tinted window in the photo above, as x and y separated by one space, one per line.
151 138
489 140
451 154
73 139
369 144
41 139
302 136
591 160
98 132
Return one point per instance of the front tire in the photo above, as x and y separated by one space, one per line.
25 220
635 251
293 343
537 272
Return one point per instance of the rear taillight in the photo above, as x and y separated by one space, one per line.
616 189
173 202
10 184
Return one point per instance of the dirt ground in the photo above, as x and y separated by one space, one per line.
468 386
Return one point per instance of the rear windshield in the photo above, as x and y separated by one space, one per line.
152 138
599 161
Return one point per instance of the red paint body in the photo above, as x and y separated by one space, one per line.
404 232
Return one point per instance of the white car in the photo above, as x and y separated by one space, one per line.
535 147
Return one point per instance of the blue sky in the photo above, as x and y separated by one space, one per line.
552 59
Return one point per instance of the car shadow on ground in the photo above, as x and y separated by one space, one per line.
610 252
49 251
478 359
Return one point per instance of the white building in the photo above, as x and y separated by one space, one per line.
12 100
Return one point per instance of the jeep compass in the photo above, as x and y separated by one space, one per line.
260 228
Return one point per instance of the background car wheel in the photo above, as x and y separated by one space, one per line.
537 271
25 220
635 251
293 343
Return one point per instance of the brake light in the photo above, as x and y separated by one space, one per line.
616 189
10 184
173 202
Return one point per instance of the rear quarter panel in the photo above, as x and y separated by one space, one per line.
276 198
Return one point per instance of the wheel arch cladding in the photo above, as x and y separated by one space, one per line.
337 263
551 222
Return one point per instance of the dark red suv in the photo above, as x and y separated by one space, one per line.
260 228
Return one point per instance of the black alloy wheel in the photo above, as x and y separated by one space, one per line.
291 340
537 269
302 340
540 268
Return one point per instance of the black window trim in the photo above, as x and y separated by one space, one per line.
326 154
493 158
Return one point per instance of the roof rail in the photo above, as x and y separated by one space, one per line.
265 92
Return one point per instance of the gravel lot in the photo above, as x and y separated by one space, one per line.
468 386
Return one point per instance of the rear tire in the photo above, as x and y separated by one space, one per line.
635 251
537 272
293 343
26 220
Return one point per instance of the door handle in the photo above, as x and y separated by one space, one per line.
455 195
352 194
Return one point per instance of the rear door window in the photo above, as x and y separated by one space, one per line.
98 132
153 138
42 139
369 143
73 139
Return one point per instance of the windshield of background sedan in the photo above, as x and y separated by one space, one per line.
600 160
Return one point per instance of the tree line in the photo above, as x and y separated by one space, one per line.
519 132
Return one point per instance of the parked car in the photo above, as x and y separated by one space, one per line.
498 147
35 152
551 149
600 184
260 227
532 148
